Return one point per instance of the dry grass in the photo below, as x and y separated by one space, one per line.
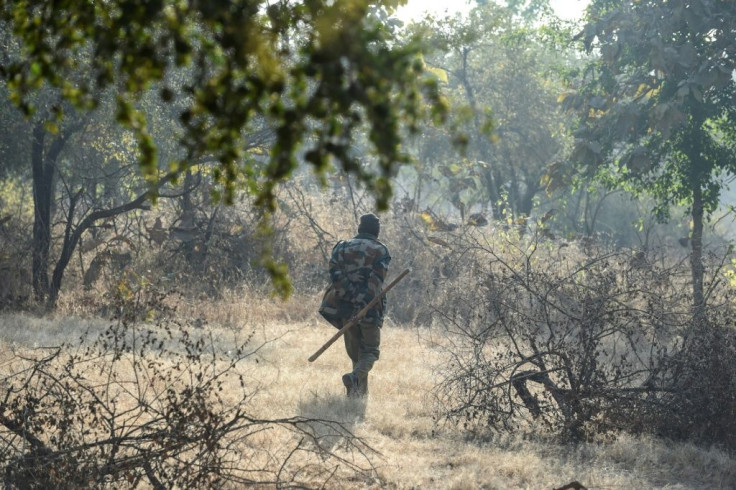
397 419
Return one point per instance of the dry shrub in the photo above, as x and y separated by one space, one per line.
15 280
221 254
578 342
701 406
313 223
221 261
157 403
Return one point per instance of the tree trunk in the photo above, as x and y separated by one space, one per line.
526 199
66 252
43 174
188 210
481 144
43 164
696 258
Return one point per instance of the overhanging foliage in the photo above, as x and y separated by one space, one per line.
314 71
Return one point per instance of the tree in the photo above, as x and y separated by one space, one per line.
44 158
84 173
504 72
315 71
79 177
657 107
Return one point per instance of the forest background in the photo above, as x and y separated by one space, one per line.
174 176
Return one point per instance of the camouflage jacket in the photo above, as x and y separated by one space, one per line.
358 268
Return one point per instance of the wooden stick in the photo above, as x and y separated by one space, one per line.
358 316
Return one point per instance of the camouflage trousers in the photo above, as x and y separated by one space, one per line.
362 343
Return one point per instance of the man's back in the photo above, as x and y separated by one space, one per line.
358 268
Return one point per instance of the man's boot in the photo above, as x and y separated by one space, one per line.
362 384
350 381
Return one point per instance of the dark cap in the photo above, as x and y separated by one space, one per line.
369 223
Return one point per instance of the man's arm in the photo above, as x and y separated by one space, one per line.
339 279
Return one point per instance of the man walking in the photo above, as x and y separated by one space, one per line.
358 268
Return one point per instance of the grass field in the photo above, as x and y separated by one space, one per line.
397 421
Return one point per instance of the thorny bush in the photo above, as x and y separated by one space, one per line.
159 404
546 336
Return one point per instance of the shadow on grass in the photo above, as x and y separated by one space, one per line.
332 419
